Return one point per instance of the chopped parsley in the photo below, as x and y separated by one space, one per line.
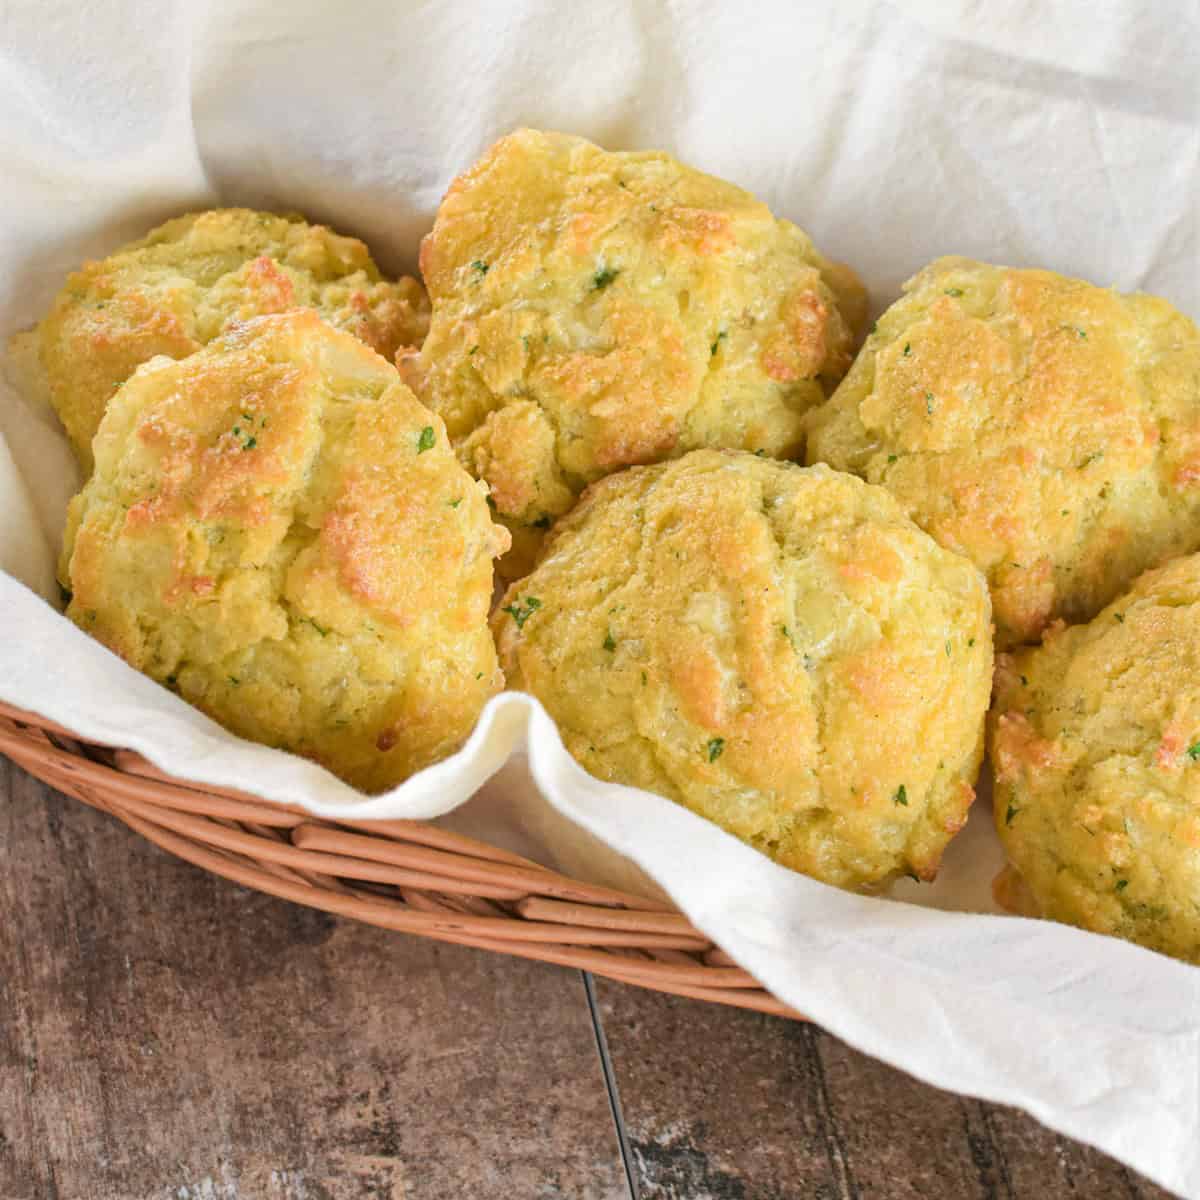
245 438
892 458
522 612
929 402
480 266
472 351
1122 884
426 440
610 643
716 343
172 680
603 277
1082 333
970 642
543 522
1193 751
716 747
1012 812
319 628
234 680
907 349
456 502
947 648
954 291
1120 617
901 796
1024 681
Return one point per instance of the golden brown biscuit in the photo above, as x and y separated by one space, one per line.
593 310
777 648
279 531
1045 428
1095 740
179 286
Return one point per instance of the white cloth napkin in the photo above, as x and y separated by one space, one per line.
1059 134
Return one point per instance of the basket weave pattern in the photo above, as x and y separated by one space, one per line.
403 875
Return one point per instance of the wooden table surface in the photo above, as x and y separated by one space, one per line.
166 1035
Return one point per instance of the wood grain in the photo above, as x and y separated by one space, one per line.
722 1104
165 1035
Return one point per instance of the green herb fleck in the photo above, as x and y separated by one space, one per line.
643 679
319 628
610 643
1193 751
603 277
456 502
1122 884
543 522
233 679
901 796
480 266
907 349
760 454
472 351
1120 617
719 339
970 642
1024 681
1012 812
929 402
892 458
716 747
913 876
954 291
245 437
425 441
947 649
521 613
172 680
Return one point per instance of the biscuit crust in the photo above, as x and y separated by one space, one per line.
1095 741
1046 428
177 288
777 648
280 532
595 310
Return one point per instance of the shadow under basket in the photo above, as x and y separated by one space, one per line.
407 876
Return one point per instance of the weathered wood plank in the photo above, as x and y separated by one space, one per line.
166 1034
722 1104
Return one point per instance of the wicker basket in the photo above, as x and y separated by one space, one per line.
403 875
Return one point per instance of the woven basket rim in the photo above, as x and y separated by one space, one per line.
405 875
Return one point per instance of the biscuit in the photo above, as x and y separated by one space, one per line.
594 310
184 282
1095 742
277 530
1046 428
777 648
